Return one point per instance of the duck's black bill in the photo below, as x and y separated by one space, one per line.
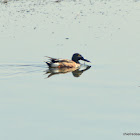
85 59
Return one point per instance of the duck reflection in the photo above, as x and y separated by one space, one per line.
75 71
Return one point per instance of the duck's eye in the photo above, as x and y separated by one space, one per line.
79 55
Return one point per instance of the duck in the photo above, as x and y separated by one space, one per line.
65 63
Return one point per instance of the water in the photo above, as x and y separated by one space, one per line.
102 103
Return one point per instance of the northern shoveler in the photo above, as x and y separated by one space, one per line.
65 63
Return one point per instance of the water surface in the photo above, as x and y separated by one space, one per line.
102 103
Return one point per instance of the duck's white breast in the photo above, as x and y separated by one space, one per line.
54 65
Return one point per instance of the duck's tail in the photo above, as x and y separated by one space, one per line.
48 63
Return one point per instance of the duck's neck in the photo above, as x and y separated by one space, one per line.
76 61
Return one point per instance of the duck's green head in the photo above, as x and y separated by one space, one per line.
76 57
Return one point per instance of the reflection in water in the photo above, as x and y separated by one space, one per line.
78 72
75 71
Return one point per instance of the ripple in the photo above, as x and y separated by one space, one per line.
10 70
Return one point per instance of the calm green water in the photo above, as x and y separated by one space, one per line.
102 103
